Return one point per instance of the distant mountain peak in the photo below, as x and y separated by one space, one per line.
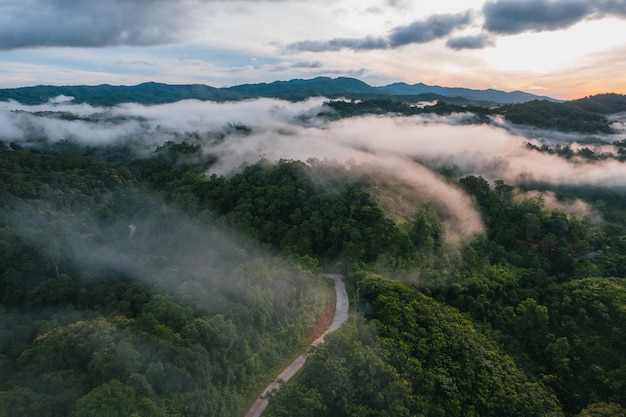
490 94
152 92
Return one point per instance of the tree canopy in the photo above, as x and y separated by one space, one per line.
133 285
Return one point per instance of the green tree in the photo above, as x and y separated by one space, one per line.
603 409
115 399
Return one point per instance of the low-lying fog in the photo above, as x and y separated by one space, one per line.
409 148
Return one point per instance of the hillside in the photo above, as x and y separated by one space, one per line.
583 115
173 317
587 115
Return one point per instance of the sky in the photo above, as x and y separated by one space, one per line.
561 48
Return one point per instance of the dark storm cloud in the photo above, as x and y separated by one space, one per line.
611 7
337 44
501 17
470 42
77 23
97 23
307 64
290 67
420 31
514 16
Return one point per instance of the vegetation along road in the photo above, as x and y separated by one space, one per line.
341 315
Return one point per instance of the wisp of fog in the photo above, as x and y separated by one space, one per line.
412 149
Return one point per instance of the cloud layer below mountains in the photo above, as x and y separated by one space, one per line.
410 149
281 129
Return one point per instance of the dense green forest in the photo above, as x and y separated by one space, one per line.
341 109
586 115
134 285
530 321
117 301
592 152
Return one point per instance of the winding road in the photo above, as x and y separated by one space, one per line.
341 315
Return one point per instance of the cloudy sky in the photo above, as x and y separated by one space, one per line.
562 48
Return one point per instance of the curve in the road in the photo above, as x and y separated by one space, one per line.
341 315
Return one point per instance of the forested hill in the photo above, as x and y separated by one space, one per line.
134 285
297 89
583 115
586 115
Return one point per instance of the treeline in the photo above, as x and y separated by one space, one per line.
589 153
441 106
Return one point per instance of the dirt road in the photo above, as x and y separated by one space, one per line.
341 315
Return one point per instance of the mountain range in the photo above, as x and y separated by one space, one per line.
296 89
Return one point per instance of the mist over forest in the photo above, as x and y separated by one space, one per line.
165 260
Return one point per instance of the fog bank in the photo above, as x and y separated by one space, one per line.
411 149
